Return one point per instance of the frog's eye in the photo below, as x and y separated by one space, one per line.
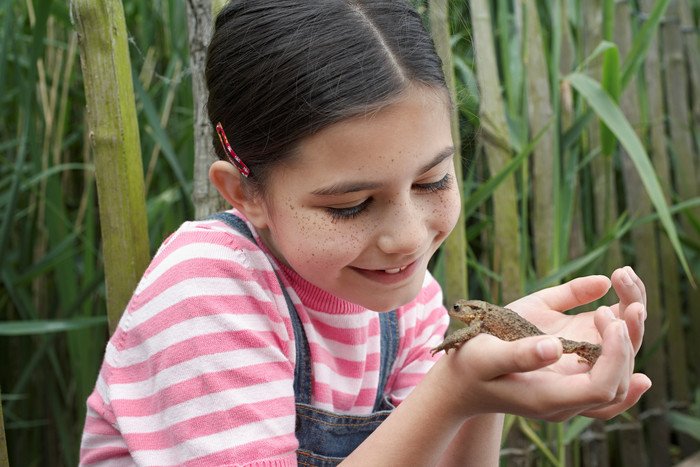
455 307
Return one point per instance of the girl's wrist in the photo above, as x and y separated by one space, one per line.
449 387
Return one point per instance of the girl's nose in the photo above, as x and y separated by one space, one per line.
403 230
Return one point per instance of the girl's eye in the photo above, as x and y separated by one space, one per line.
350 212
441 184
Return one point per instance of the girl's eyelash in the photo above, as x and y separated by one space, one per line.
349 212
441 184
353 211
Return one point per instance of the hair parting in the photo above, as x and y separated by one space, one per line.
281 70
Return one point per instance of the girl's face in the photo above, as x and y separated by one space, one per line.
367 201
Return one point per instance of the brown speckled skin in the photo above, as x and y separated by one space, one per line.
507 325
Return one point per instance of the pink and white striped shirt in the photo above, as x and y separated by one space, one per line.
200 370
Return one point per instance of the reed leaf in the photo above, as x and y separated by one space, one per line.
642 41
486 189
634 60
685 423
28 99
55 170
537 441
159 135
575 266
30 328
611 83
574 429
4 459
7 35
610 113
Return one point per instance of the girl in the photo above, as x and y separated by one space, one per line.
297 327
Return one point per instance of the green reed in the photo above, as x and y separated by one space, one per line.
52 293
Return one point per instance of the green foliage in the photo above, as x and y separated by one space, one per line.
685 423
610 113
52 297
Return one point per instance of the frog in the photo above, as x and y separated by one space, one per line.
484 317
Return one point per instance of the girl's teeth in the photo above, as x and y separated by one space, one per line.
395 270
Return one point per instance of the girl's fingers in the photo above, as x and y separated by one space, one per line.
635 314
574 293
511 376
639 384
629 288
491 357
632 307
607 385
603 317
613 369
633 317
638 282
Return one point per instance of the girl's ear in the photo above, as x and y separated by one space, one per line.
229 183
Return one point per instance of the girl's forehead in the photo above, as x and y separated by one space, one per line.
413 121
401 137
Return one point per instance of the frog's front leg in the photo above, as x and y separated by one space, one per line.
459 337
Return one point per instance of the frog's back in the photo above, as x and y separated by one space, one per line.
508 325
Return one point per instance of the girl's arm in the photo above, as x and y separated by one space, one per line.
478 442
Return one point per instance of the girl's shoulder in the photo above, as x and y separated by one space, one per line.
206 274
209 248
201 237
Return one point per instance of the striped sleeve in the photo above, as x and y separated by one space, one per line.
422 325
200 370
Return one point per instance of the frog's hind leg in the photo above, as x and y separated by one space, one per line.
457 338
588 352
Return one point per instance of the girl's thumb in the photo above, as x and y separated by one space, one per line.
529 354
549 349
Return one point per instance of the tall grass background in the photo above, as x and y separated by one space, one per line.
580 128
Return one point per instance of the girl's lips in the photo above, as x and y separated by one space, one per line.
393 275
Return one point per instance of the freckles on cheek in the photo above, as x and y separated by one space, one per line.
309 239
448 213
330 244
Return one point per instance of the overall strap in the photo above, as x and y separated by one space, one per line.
302 369
389 348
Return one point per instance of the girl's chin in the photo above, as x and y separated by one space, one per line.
387 300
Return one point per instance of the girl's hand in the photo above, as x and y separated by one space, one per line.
529 377
544 308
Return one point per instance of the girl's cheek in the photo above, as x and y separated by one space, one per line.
446 211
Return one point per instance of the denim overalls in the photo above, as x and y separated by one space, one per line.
326 438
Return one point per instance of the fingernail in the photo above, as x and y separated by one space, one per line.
609 313
626 279
548 349
642 315
631 273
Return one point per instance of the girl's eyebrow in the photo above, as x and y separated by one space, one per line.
441 156
345 187
355 186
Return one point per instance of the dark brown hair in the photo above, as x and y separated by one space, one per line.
280 70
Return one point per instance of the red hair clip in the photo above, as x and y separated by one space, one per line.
235 160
